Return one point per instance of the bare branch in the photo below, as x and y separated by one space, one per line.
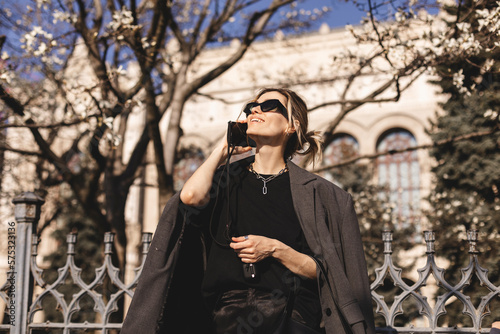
396 98
220 99
169 19
379 37
202 17
356 74
19 151
415 66
18 108
255 27
409 149
48 126
47 221
98 14
215 25
89 36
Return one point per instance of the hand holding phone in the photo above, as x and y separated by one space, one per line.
237 135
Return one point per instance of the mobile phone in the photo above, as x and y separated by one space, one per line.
237 135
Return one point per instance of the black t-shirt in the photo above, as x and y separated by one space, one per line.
252 212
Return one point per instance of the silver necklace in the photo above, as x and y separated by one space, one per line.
267 179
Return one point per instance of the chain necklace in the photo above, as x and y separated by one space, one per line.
267 179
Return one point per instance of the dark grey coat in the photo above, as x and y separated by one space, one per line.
168 303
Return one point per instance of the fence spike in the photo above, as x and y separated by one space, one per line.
387 239
109 238
472 239
430 238
71 241
34 245
146 242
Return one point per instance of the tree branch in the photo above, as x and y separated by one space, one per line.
89 36
23 152
407 71
18 108
47 126
255 27
379 37
409 149
47 221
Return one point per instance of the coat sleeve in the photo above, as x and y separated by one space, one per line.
355 265
147 304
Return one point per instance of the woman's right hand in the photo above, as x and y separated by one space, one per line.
221 147
196 190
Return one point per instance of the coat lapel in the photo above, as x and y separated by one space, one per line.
302 193
302 187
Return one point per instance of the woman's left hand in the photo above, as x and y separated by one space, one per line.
254 248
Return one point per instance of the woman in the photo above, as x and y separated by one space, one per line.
283 245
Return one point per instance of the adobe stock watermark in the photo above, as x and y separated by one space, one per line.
11 271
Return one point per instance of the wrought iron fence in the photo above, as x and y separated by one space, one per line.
17 291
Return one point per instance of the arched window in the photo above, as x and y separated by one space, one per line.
343 147
189 160
400 173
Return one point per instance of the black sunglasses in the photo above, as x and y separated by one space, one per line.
266 106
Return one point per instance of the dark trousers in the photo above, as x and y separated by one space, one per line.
255 312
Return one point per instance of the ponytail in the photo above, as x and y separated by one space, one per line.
314 140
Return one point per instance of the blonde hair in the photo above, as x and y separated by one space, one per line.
301 141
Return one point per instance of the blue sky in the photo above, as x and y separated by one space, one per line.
342 13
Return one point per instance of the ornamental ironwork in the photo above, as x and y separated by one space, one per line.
26 277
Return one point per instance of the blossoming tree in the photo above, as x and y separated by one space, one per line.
137 54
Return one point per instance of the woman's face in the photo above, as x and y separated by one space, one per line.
268 127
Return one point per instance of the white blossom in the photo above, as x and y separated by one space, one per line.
42 48
120 70
6 76
62 17
489 19
458 79
464 26
113 139
26 116
400 16
37 35
490 114
116 140
109 122
44 3
121 19
104 104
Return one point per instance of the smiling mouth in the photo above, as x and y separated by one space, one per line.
256 120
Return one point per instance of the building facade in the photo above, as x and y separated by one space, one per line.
306 64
